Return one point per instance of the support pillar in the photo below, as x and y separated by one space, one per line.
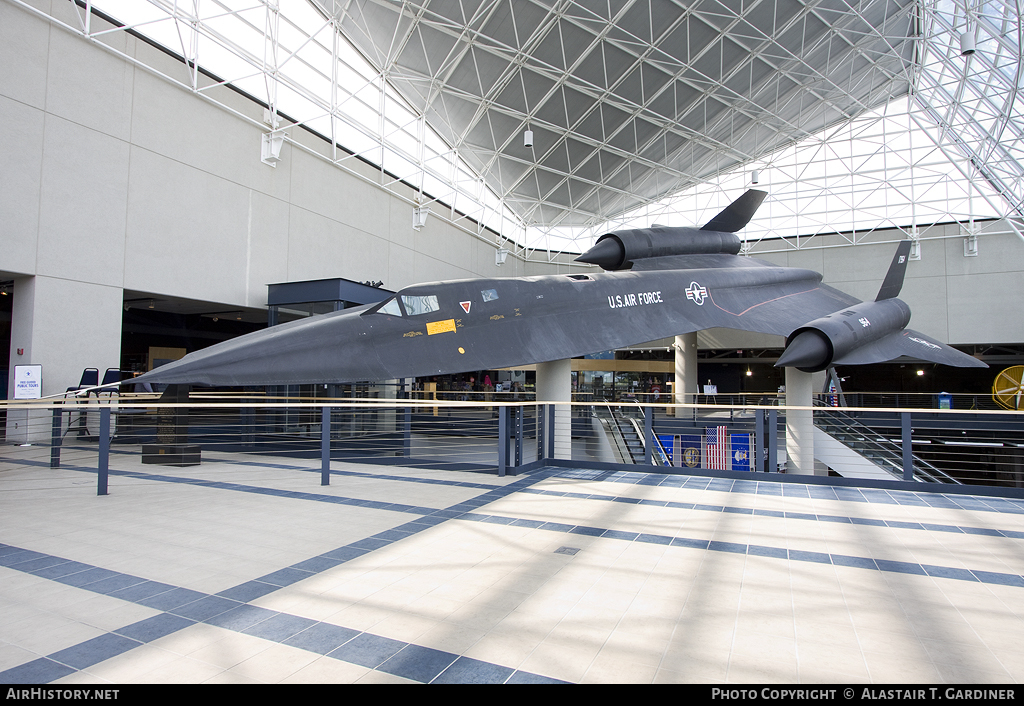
684 390
799 423
387 419
554 384
65 326
685 387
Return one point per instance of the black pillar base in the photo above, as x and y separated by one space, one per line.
171 454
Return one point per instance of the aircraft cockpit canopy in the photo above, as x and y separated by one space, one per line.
411 305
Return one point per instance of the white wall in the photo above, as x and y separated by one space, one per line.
117 179
957 299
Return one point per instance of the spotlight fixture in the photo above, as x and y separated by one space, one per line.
419 217
968 43
754 175
920 372
499 256
528 138
270 149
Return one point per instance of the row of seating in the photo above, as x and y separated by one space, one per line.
78 419
91 379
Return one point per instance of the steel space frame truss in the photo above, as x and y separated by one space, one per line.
949 150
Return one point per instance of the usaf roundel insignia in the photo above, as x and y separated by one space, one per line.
696 293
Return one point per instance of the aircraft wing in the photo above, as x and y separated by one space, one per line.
909 344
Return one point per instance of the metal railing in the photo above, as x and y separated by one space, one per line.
137 433
885 453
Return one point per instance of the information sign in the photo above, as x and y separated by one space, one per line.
28 382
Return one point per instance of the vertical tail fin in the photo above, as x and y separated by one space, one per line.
893 282
737 214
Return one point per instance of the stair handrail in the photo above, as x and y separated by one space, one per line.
892 452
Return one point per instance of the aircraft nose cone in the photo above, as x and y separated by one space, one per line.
809 352
608 254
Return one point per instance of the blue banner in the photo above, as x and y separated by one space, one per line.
742 455
685 449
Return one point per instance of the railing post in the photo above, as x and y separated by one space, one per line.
757 462
773 441
104 459
551 429
55 437
407 433
519 436
502 440
541 430
248 416
908 449
648 434
325 446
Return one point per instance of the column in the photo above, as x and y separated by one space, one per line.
685 387
65 326
799 423
554 384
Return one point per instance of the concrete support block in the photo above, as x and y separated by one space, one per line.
799 423
554 384
65 326
685 387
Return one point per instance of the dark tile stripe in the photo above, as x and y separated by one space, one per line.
822 492
892 524
229 609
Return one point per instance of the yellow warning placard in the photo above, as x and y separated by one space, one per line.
441 327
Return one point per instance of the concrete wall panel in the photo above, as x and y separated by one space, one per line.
320 248
187 231
174 123
266 245
24 43
89 86
984 307
927 299
21 143
316 187
82 204
401 263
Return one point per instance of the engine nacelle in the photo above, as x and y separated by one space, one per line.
817 344
618 250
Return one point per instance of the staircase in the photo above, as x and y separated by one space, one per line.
868 444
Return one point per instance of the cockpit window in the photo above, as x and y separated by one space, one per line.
489 295
390 308
423 304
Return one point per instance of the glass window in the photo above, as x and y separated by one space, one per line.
489 295
390 308
420 304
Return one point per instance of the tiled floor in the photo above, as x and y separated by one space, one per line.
240 570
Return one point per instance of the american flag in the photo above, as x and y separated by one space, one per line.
716 440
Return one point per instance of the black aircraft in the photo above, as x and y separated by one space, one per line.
658 282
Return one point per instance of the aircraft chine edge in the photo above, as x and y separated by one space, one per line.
654 283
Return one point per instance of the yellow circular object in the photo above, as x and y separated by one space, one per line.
1008 387
461 349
